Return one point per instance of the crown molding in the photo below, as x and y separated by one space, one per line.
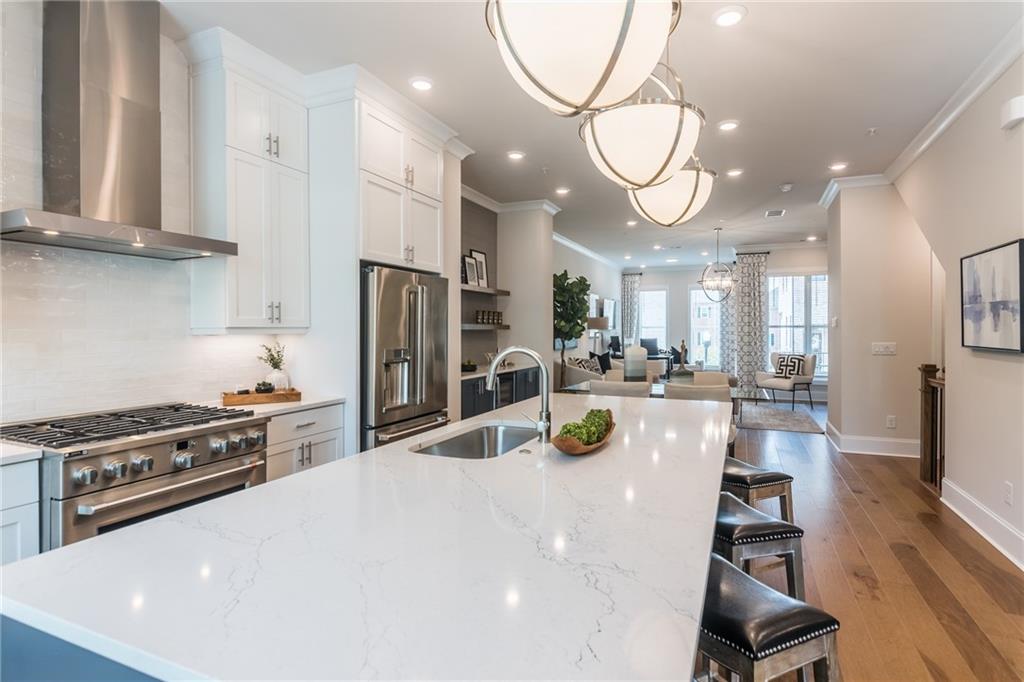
459 148
1002 56
480 199
835 185
579 248
819 243
535 205
216 47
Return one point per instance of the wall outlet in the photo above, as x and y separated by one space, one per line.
1008 493
835 322
883 348
890 421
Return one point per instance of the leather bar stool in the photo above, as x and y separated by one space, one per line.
751 483
743 533
760 634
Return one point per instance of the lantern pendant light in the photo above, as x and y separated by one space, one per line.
717 279
644 141
574 56
676 200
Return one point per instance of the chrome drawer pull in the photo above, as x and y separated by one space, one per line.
90 509
305 424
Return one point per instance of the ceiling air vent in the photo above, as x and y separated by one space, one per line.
775 213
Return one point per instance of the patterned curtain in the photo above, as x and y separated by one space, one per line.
630 307
744 321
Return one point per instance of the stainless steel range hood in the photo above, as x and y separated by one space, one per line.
101 136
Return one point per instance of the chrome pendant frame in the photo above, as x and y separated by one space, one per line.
575 108
695 168
676 99
718 267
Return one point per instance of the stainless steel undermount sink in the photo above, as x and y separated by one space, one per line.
483 442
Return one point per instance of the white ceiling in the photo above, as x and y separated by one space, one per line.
805 80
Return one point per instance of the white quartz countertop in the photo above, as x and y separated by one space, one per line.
12 453
275 409
391 564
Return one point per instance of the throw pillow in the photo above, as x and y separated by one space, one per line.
790 366
604 360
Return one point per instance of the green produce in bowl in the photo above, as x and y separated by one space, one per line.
589 430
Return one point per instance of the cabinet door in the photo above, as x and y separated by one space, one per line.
290 227
248 218
484 398
19 532
527 384
382 208
382 145
427 166
247 115
283 458
423 231
289 129
469 398
323 448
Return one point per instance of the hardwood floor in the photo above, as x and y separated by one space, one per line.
920 595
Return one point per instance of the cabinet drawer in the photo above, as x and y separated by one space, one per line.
305 423
19 532
19 484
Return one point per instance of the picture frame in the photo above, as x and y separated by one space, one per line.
469 263
991 282
481 267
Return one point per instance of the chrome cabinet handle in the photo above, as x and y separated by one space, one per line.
278 306
270 311
91 509
309 452
268 144
277 146
305 424
302 454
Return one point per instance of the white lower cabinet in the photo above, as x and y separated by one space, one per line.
19 532
297 455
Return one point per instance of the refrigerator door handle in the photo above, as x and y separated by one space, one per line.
421 317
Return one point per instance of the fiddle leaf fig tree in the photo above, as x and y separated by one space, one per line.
571 310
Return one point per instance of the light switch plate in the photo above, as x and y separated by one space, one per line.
890 421
883 348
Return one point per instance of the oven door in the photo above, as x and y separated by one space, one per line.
86 516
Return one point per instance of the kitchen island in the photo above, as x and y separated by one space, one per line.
392 564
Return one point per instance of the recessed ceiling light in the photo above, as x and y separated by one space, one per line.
657 247
205 253
516 156
729 125
734 173
671 260
562 191
730 16
420 83
709 262
838 166
812 238
138 245
628 257
643 266
786 187
51 233
775 213
703 253
630 223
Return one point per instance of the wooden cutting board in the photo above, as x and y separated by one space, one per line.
288 395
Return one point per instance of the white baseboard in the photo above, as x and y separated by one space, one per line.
999 533
870 445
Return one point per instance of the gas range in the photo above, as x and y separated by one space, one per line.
105 470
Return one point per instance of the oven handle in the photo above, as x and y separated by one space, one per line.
90 509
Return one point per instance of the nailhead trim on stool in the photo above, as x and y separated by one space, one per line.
758 485
775 649
761 538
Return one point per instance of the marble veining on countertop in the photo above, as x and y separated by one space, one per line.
392 564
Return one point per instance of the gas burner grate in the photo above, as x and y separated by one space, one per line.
91 428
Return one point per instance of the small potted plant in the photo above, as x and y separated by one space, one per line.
274 356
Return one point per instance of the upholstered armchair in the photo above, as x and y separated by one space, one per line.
772 382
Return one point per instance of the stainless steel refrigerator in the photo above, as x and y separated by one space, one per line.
404 354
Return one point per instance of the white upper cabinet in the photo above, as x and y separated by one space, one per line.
290 246
249 287
260 121
423 232
382 208
382 145
425 166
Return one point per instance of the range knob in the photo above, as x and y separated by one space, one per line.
258 438
239 442
186 460
142 463
115 469
85 476
219 446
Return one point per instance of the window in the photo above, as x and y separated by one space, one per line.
798 317
654 316
704 330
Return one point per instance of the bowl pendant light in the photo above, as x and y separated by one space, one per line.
676 200
573 56
717 279
644 141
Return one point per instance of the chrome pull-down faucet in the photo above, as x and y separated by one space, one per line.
544 422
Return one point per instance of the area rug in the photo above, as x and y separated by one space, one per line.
777 418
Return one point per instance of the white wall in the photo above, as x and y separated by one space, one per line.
605 282
965 192
452 269
87 331
524 265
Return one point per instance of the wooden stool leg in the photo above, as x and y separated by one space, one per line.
786 505
826 669
795 572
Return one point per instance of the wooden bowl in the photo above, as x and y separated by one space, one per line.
571 446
